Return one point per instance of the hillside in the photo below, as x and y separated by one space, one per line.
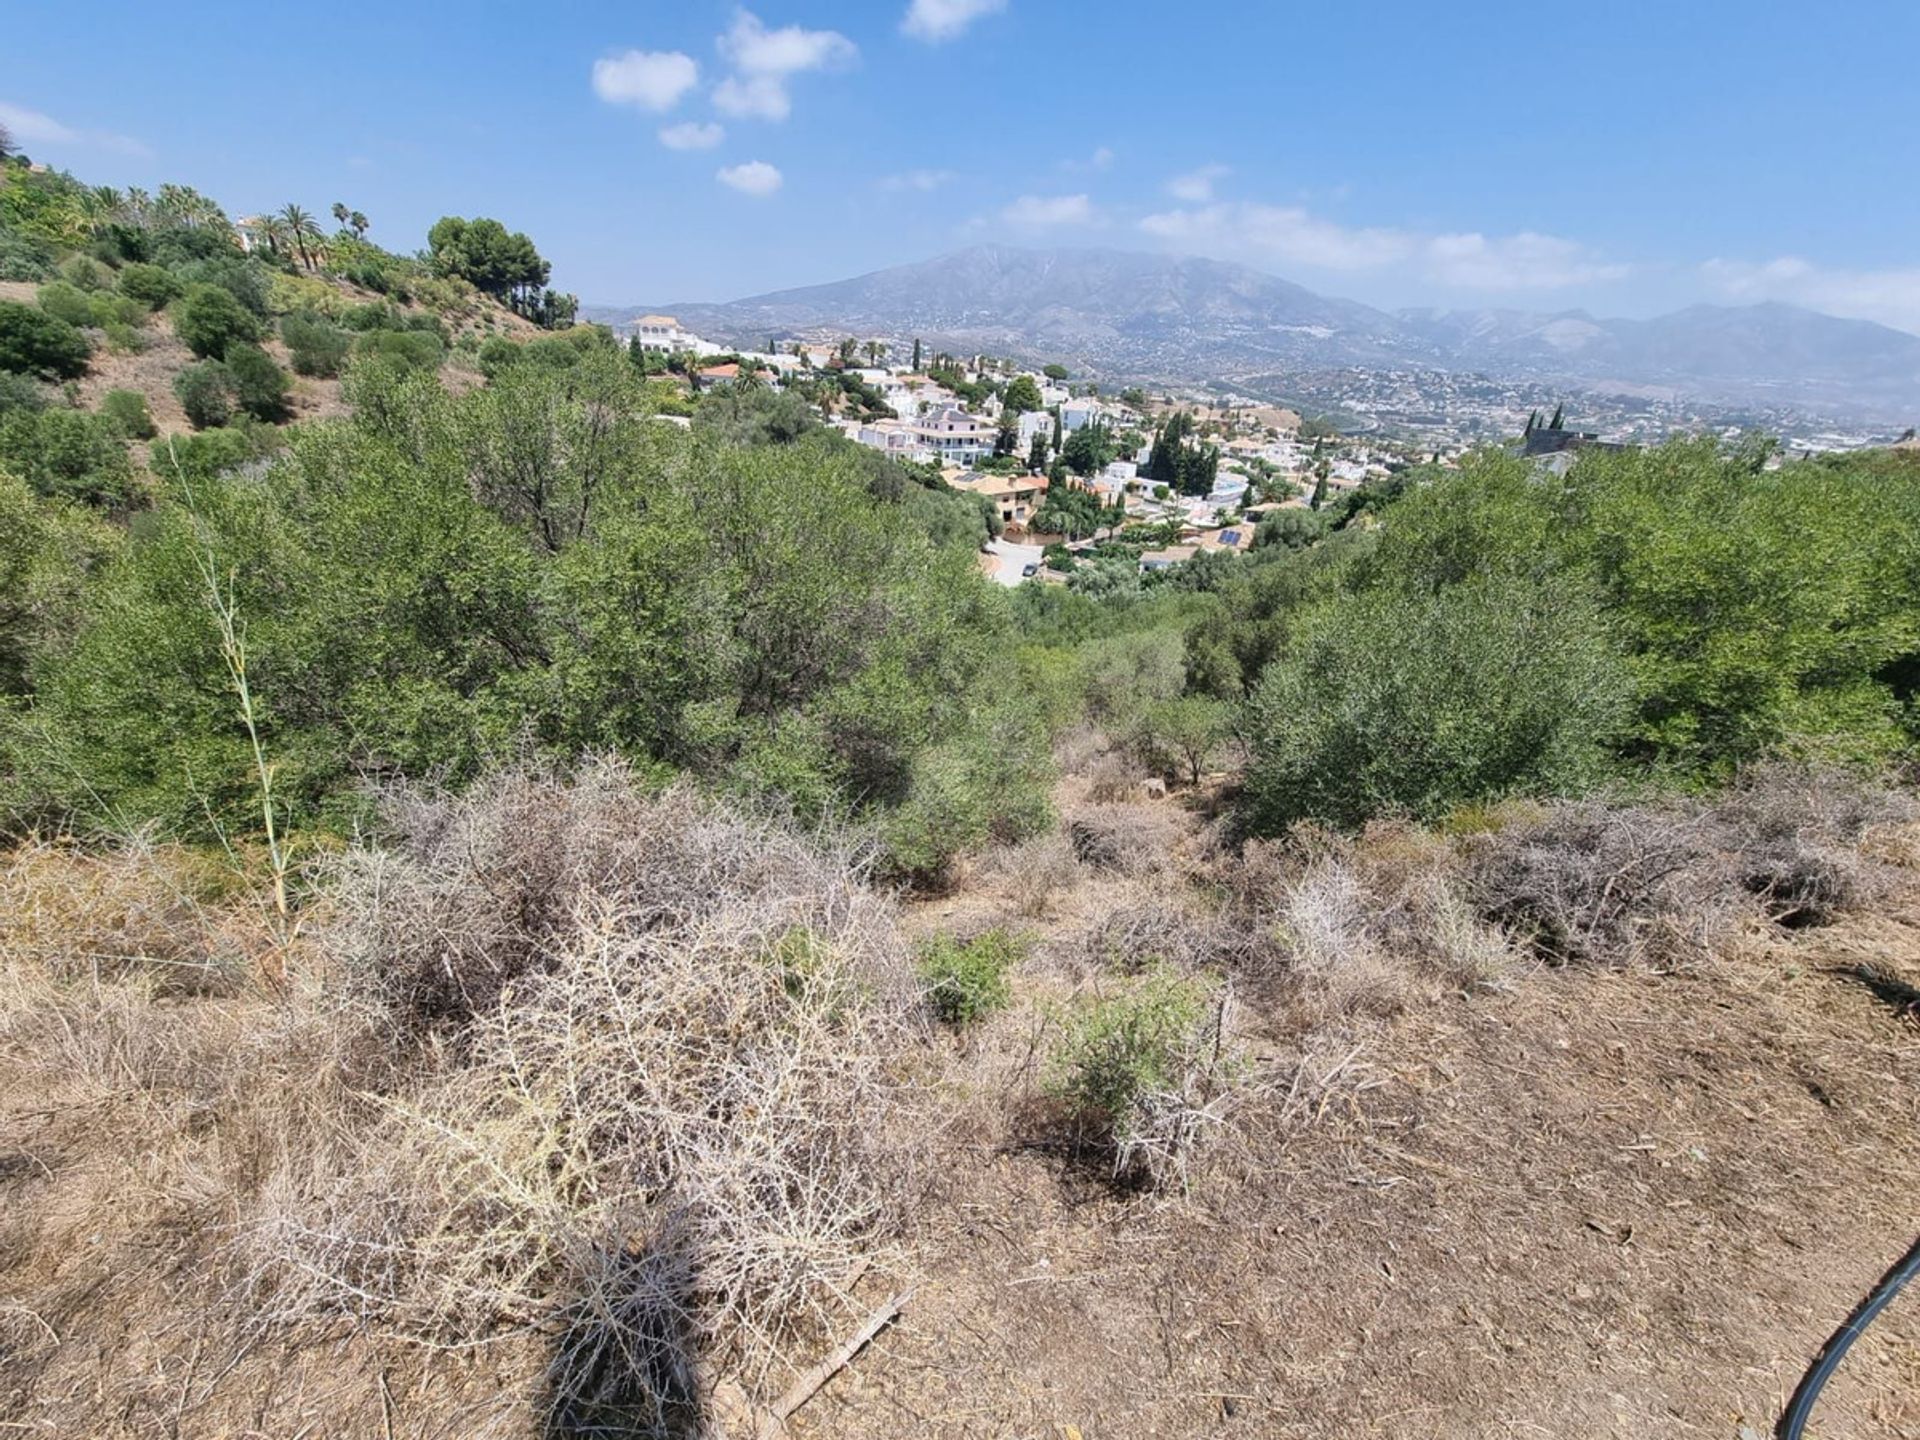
1442 1188
1130 315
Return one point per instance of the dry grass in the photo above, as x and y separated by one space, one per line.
68 912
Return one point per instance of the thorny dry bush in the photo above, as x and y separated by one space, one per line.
665 1125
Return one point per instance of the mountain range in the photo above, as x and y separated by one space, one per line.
1126 315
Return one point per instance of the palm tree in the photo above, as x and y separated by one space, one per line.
273 231
6 142
301 227
339 213
359 224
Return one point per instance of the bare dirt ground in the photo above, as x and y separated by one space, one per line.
1585 1202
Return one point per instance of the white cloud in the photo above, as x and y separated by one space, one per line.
33 127
755 177
1526 261
753 97
652 80
692 135
924 180
1044 212
1196 186
1288 235
764 60
938 20
1891 297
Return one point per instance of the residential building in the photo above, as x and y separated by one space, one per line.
955 437
1016 497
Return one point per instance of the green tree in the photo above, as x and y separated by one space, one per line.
1181 735
1088 450
302 231
1418 702
1056 373
487 256
1022 395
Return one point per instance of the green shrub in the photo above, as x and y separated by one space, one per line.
209 320
33 342
415 349
1416 703
203 457
85 273
966 980
206 393
124 339
259 386
21 392
24 257
1140 1071
246 280
126 411
108 308
315 345
66 302
152 286
67 453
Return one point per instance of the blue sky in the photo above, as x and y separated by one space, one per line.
1624 157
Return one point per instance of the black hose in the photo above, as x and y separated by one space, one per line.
1794 1421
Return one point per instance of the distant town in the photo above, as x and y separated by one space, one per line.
1062 466
1071 475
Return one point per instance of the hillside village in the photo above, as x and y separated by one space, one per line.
1071 476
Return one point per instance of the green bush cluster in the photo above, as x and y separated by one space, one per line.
68 454
444 583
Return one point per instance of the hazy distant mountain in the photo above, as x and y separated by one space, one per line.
1748 351
1126 314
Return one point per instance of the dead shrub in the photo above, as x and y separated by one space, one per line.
1114 779
1077 749
1164 930
1591 883
670 1126
1798 834
1131 839
1037 872
1587 883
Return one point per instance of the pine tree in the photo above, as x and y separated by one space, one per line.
916 355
